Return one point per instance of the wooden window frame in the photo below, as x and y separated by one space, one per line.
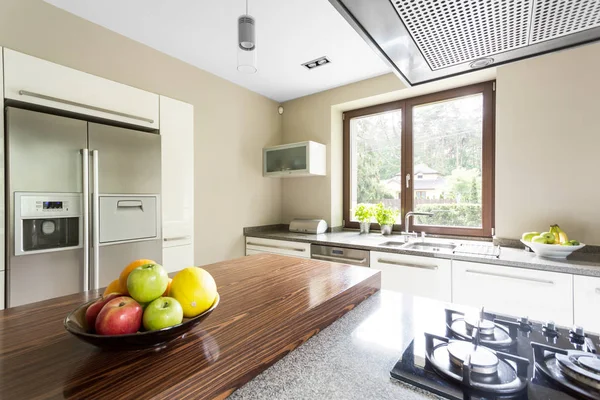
488 157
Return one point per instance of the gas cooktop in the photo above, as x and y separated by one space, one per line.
485 356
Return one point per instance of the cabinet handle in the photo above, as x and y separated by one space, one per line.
598 290
274 247
342 259
409 265
169 239
82 105
520 278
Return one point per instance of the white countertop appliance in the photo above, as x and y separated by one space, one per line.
316 226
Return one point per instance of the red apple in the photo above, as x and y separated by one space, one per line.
94 309
120 316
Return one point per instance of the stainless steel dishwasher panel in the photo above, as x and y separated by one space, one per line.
340 255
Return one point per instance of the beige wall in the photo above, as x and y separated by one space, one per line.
232 124
548 144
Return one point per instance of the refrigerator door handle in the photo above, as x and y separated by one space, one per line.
95 223
85 161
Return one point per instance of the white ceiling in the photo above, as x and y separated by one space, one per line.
204 33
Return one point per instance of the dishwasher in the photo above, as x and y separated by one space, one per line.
340 255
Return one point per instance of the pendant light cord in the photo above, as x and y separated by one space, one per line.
246 7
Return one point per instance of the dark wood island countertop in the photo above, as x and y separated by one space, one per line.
269 306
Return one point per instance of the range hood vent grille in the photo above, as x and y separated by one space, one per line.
452 32
553 19
427 40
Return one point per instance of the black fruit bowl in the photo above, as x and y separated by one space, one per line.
75 323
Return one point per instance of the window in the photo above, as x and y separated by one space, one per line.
433 153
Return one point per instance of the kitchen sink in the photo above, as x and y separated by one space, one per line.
430 246
393 244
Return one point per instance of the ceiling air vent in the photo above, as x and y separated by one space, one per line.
319 62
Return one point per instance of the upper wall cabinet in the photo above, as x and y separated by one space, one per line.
32 80
295 160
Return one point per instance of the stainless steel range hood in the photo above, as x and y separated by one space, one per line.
427 40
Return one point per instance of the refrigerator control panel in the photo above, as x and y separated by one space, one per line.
49 205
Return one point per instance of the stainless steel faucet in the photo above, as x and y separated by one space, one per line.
409 214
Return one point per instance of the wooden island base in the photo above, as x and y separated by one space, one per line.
269 306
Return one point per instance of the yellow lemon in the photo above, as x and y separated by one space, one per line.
195 289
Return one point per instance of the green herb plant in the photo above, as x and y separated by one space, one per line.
385 216
363 213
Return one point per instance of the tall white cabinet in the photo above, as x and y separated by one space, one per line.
177 138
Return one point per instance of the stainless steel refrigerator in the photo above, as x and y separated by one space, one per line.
83 201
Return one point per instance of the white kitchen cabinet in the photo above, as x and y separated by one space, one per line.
285 248
420 276
539 295
295 160
586 291
177 153
176 258
33 80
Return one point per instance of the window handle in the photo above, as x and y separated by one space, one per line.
408 181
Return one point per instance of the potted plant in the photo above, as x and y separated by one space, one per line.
363 214
385 218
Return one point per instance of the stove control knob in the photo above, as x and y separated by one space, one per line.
549 328
524 323
578 331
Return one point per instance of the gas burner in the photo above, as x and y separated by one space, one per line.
574 370
493 331
476 367
480 359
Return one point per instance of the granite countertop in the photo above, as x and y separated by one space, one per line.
587 264
350 359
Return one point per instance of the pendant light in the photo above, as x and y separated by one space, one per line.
246 43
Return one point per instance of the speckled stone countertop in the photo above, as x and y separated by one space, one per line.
350 359
578 263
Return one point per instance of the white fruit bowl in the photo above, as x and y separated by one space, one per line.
552 250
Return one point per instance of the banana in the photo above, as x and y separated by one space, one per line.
559 234
554 230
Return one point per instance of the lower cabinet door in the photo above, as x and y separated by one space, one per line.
539 295
178 257
273 246
418 276
587 302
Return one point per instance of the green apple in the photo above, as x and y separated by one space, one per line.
549 236
567 244
147 282
539 239
574 242
527 236
162 313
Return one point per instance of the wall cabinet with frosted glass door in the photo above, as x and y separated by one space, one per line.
295 160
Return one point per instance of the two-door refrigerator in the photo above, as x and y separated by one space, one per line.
83 201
